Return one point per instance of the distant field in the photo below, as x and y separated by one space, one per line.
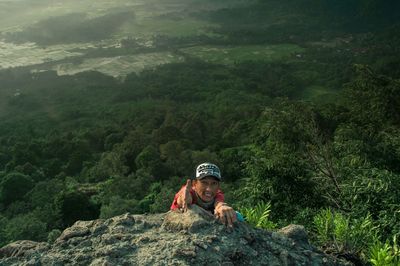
29 54
55 27
166 26
119 66
232 54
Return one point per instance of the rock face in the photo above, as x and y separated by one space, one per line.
191 238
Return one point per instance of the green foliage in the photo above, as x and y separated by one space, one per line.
375 191
340 234
150 161
26 226
110 164
75 206
385 254
341 230
44 192
373 103
14 186
234 161
3 223
53 235
278 170
380 93
16 208
324 224
258 216
363 232
175 156
134 186
118 206
162 202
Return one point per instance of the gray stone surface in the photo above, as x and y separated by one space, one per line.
191 238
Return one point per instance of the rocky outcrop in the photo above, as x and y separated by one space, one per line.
191 238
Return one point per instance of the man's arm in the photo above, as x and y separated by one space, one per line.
183 198
225 213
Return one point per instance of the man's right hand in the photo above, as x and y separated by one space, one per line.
185 198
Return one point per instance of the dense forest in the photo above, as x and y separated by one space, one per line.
313 139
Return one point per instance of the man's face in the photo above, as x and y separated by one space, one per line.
206 188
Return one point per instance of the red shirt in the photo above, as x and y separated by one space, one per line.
174 206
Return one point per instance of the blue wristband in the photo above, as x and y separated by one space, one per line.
239 216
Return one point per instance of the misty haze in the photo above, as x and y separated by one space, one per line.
113 37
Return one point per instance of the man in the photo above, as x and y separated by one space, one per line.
205 192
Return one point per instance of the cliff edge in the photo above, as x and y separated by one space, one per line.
191 238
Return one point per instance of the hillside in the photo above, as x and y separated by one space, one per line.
107 107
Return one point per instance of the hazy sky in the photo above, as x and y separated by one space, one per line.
19 13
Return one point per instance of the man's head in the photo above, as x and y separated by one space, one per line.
206 183
208 169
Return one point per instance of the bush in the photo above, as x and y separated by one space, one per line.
118 206
340 234
324 225
3 222
162 202
258 216
376 192
75 206
14 186
385 254
25 227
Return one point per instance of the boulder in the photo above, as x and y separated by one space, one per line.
297 233
173 238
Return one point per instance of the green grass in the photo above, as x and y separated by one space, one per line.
231 54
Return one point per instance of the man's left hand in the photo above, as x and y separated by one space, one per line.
225 214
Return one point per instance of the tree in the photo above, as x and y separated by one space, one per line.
117 205
373 102
110 164
373 99
14 186
150 161
165 134
170 153
25 227
75 206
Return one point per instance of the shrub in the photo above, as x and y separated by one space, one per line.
324 225
162 202
14 186
258 216
385 254
75 206
118 206
25 227
3 222
340 234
